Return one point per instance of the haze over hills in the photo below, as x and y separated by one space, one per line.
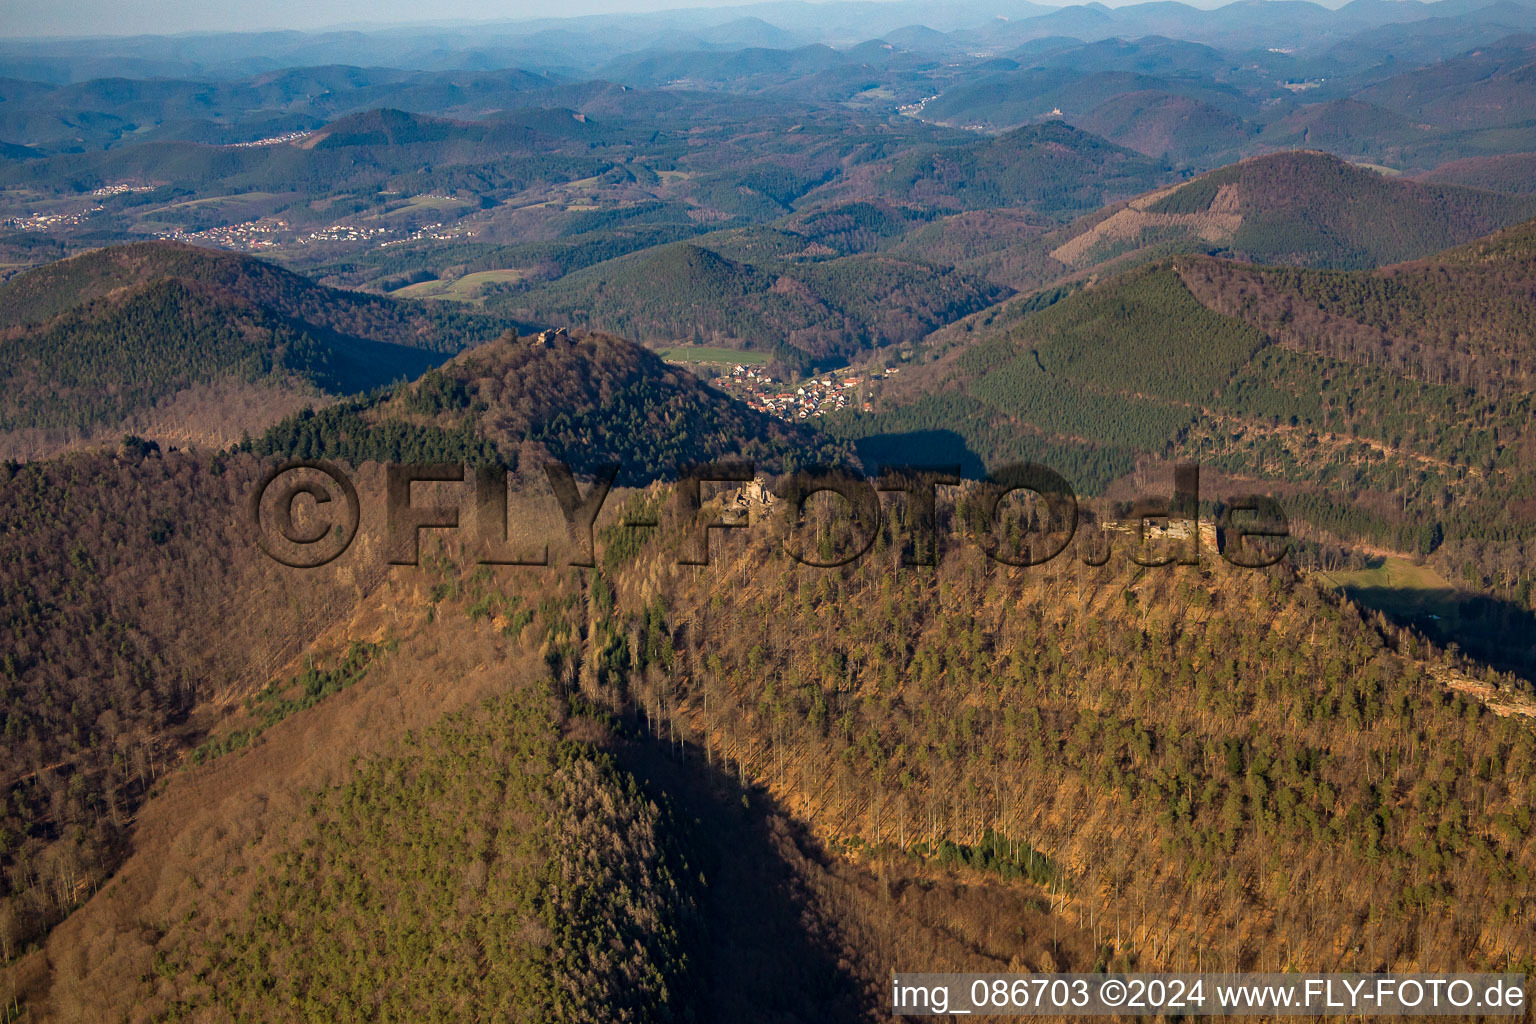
522 189
217 154
1050 167
1497 174
586 43
1176 128
1483 89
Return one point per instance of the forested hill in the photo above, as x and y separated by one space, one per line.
1390 409
1051 167
1466 317
1310 207
585 398
804 312
39 295
186 343
1295 208
1299 208
395 795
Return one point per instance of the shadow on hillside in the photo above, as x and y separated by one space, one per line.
921 448
356 365
1492 630
765 951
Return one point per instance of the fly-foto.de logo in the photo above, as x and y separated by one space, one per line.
306 513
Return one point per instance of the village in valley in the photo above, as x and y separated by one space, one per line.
815 396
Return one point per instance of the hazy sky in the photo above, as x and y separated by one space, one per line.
20 18
126 17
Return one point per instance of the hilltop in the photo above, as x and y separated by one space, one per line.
190 344
1295 208
1180 129
1515 172
585 398
1349 128
1300 208
122 549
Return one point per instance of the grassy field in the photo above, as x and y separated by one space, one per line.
1392 573
441 204
580 183
463 289
705 354
1401 589
1486 626
239 197
1409 593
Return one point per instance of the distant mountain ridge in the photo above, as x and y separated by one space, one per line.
589 42
1488 87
